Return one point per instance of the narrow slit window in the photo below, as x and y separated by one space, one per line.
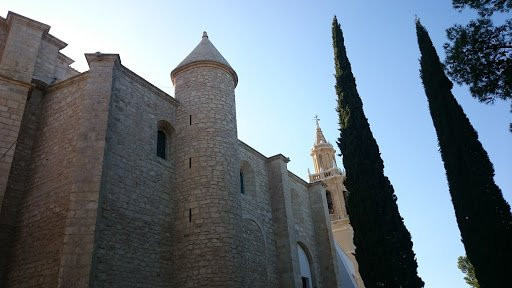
161 144
190 119
242 188
189 162
190 215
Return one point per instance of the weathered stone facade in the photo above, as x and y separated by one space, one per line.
107 181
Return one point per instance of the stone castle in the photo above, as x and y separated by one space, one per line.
107 181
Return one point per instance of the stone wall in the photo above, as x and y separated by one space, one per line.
256 210
46 61
133 233
19 53
208 218
13 96
39 129
3 34
28 55
281 198
90 204
35 255
304 225
19 176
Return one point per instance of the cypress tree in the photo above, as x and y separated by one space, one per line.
483 215
383 244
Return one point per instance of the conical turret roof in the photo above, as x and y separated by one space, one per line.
205 52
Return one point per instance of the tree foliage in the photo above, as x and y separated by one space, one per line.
483 215
467 268
479 54
484 7
383 244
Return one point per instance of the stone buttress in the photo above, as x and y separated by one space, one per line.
30 61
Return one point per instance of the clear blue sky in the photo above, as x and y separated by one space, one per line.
283 55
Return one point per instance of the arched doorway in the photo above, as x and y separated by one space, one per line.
305 268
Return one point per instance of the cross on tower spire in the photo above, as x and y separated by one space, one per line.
319 135
317 120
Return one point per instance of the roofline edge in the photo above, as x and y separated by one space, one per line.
204 63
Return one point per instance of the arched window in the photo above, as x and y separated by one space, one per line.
345 197
164 139
242 187
247 180
330 206
161 144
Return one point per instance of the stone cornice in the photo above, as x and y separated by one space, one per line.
67 82
65 59
14 81
102 57
278 157
11 17
54 40
204 63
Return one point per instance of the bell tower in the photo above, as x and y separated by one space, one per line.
327 171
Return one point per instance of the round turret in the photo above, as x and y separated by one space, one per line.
207 171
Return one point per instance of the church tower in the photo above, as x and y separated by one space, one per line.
327 171
207 230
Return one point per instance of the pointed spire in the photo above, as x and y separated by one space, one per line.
205 52
319 134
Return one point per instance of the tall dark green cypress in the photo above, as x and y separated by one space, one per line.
383 244
483 215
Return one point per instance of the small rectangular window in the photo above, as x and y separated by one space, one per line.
190 118
190 215
189 162
242 188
